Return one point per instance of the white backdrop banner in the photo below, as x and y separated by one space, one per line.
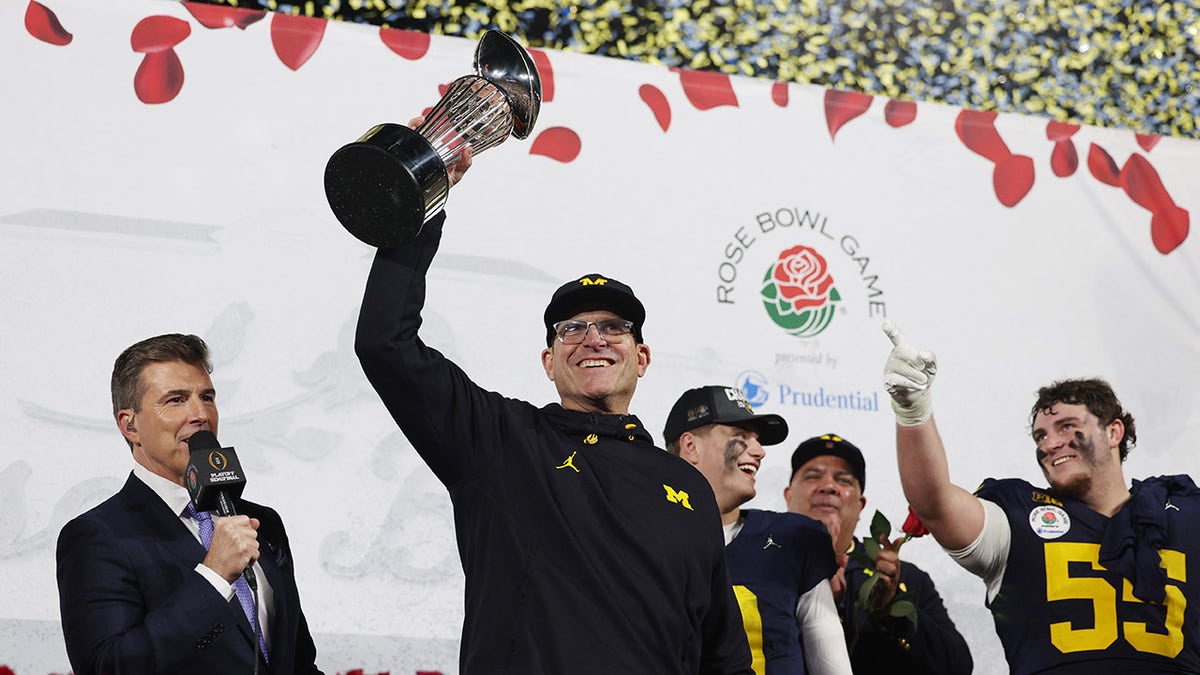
163 170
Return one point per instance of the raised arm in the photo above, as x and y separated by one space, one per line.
953 515
433 402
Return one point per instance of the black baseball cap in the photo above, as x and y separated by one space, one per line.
831 444
594 291
715 404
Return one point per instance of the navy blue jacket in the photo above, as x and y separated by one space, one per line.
893 645
132 602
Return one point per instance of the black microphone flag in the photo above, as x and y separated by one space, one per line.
214 476
214 479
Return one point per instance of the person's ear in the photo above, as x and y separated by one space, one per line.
1116 433
643 358
689 449
127 424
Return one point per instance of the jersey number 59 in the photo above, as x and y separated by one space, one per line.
1060 585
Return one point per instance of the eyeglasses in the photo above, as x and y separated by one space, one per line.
573 331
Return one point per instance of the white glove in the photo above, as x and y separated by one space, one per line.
907 378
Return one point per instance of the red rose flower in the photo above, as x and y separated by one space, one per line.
913 527
802 277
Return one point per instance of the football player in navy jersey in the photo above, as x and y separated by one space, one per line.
779 563
1088 575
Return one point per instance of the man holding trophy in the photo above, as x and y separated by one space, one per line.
586 549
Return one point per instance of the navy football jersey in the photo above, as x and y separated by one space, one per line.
773 560
1060 609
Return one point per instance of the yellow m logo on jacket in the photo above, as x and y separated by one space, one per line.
677 497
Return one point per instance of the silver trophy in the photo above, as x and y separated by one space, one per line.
386 185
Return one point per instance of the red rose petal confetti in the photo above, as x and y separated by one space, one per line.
220 16
42 23
843 106
545 73
1012 175
1169 228
1060 131
159 78
899 113
779 94
977 130
1147 141
1168 223
1064 160
1012 179
1102 166
1142 184
706 90
296 38
408 44
558 143
158 33
657 101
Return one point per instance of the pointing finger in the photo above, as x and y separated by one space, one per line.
894 334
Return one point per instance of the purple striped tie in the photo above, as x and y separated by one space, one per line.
244 594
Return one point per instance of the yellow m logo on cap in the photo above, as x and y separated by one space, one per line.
677 497
598 281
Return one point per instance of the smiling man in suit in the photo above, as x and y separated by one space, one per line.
138 591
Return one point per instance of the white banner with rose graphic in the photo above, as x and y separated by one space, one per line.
164 173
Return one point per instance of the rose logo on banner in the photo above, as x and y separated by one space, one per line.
798 292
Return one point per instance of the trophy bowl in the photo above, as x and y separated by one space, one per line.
386 185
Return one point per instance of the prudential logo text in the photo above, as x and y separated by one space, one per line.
759 390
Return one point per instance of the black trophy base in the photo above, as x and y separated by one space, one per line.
386 185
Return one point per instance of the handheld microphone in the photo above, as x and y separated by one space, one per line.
214 479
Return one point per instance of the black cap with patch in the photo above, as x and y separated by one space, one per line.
831 444
591 292
714 404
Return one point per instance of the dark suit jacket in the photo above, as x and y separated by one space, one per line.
132 602
892 645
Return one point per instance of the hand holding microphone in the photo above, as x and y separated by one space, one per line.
213 480
234 548
907 376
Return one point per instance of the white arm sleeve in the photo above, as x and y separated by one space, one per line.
987 556
821 628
